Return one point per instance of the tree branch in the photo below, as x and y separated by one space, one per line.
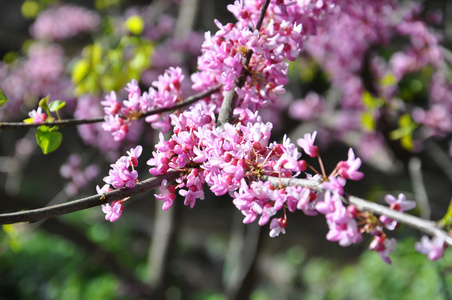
75 122
34 215
231 96
426 226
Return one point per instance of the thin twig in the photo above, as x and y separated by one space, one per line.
420 193
34 215
75 122
426 226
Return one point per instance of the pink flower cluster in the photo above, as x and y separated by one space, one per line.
182 152
122 174
381 243
340 219
62 22
231 159
166 91
399 204
234 158
279 39
264 200
355 65
79 177
38 74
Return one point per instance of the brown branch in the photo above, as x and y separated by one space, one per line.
426 226
34 215
231 96
75 122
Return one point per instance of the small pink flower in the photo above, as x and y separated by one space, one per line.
166 194
102 190
133 155
399 204
383 246
433 248
111 104
335 184
38 116
113 213
307 143
349 169
278 226
134 89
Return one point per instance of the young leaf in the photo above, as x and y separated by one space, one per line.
3 98
368 121
56 105
446 221
44 102
48 138
80 71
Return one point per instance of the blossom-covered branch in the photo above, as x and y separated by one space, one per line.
75 122
426 226
231 96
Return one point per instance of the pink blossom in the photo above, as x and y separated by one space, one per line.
133 155
166 194
277 226
116 126
433 248
307 143
104 189
113 213
38 116
307 109
349 169
111 104
64 21
342 225
335 184
120 175
345 233
383 246
134 89
191 195
399 204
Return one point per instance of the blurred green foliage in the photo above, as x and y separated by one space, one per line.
411 276
105 67
40 266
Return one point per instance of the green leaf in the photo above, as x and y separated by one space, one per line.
371 102
48 138
44 103
389 80
368 121
407 142
404 132
3 98
56 105
81 69
96 54
368 100
446 221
